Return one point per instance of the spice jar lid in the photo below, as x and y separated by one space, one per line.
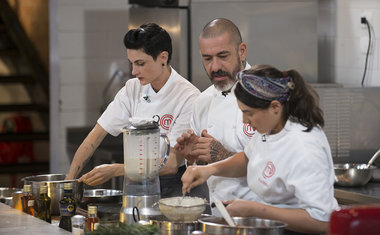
78 219
27 188
92 210
67 186
43 189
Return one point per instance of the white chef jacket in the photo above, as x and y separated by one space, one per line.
173 103
222 118
293 169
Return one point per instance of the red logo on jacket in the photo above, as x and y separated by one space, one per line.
165 121
248 130
269 170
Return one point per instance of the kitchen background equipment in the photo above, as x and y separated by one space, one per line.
54 182
6 195
352 174
244 225
355 174
168 227
142 162
188 209
101 196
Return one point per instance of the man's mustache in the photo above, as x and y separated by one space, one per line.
220 73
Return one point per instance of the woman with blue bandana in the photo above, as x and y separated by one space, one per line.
288 163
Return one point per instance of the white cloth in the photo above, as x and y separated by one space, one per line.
293 169
173 103
222 118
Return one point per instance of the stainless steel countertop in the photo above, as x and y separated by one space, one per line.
15 222
367 194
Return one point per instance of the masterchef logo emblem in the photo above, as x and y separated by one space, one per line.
269 170
165 121
248 130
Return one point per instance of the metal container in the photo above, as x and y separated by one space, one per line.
352 174
54 182
16 200
6 195
102 196
244 225
173 228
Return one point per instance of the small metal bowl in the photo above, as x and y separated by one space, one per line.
352 175
188 209
6 195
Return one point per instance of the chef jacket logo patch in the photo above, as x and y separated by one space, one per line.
269 170
165 121
248 130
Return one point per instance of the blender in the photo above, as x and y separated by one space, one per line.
142 162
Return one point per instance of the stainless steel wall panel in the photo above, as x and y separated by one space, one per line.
279 33
352 117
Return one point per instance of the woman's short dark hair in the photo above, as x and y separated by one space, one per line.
302 105
151 38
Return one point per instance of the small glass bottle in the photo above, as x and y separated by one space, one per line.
78 223
27 200
92 221
67 207
42 205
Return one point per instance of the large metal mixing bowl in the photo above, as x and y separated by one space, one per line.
54 182
244 225
350 174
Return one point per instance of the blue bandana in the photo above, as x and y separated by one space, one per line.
266 88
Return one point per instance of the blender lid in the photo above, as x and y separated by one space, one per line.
137 123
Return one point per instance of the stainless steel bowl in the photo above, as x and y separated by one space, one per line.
6 195
54 182
244 225
351 175
168 227
102 196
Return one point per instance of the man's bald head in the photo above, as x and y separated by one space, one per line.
218 27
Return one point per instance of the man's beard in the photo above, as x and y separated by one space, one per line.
225 84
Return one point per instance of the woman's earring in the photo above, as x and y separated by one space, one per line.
163 65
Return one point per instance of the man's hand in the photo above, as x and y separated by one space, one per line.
185 145
209 150
102 173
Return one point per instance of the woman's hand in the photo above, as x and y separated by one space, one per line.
185 145
239 207
194 176
102 173
297 219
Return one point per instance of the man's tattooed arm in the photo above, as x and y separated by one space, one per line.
218 152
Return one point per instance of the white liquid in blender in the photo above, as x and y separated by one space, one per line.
140 169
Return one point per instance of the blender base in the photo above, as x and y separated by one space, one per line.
145 208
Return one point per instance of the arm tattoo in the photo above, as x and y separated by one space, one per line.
218 152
